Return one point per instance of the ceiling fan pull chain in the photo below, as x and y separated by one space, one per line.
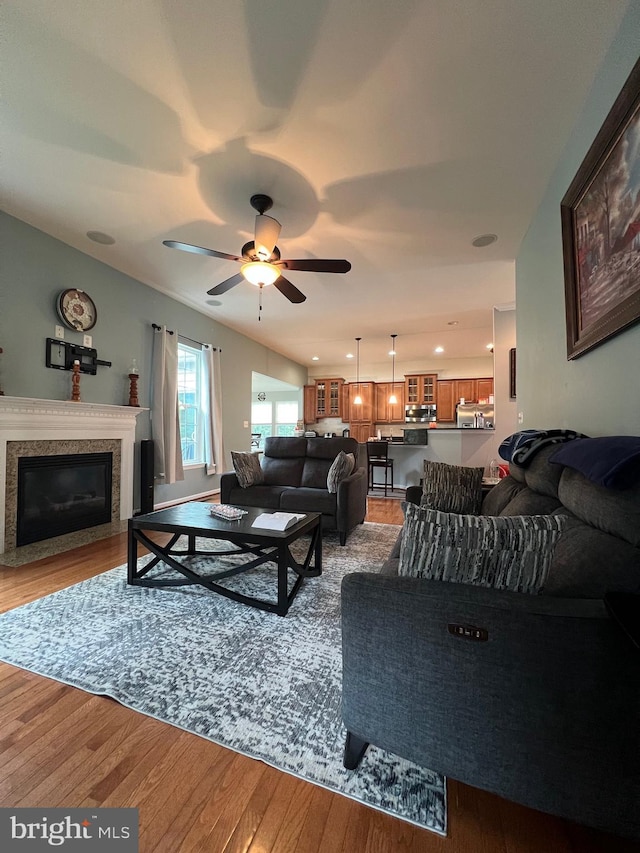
260 289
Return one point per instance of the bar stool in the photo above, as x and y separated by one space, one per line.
378 457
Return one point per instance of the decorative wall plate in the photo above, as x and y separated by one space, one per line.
77 310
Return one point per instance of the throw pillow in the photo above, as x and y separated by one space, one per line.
504 552
342 466
248 469
452 488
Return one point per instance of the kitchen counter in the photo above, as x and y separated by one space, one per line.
455 446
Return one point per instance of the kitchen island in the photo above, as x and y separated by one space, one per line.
469 447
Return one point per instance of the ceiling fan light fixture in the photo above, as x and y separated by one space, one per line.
259 272
267 231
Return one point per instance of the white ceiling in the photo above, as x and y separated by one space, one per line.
387 133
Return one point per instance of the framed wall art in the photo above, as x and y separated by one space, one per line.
512 373
600 216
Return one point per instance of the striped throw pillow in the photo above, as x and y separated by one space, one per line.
452 488
342 466
248 469
503 552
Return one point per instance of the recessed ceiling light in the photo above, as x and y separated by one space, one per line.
489 346
101 237
452 323
439 349
484 240
315 358
349 355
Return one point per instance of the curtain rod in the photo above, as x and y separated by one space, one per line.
157 328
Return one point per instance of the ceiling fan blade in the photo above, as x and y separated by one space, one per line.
201 250
316 265
267 232
289 290
226 285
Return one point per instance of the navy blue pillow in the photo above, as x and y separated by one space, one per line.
612 461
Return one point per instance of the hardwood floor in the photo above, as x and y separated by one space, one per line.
62 747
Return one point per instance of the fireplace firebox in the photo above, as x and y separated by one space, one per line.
61 494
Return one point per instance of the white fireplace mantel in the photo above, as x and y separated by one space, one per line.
29 419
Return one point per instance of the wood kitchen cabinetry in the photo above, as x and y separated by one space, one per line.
451 390
420 389
309 406
361 414
323 400
386 412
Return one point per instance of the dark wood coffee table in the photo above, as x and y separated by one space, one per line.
260 545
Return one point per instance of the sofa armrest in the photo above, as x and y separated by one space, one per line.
228 482
527 711
351 500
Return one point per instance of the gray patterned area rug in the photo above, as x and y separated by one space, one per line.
263 685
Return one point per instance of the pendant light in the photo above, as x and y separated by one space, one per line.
357 400
393 399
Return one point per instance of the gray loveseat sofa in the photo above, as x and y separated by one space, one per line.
295 480
539 699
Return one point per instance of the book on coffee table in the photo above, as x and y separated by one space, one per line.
277 520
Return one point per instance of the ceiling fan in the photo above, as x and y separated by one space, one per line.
260 259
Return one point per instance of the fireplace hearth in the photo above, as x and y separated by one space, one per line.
61 494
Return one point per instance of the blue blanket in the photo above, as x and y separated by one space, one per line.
522 446
612 461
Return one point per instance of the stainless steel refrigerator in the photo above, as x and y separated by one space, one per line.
474 416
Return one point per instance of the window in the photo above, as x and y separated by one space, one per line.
190 404
262 420
286 418
277 418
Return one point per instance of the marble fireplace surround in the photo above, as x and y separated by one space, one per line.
32 427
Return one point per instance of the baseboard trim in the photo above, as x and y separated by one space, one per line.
186 499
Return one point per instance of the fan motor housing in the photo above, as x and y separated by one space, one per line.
249 252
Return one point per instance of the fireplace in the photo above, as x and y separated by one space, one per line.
61 494
44 428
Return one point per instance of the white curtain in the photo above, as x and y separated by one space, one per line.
165 419
212 399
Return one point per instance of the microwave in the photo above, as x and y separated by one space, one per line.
420 414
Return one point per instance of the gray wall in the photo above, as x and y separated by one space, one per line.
599 393
33 271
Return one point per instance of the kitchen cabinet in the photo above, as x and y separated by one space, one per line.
362 432
328 401
420 389
446 410
484 389
451 390
386 412
309 406
361 412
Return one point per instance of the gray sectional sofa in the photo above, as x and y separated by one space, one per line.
295 480
533 697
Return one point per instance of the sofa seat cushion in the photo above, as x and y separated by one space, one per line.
503 552
265 496
308 500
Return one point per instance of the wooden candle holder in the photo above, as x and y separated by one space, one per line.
133 389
